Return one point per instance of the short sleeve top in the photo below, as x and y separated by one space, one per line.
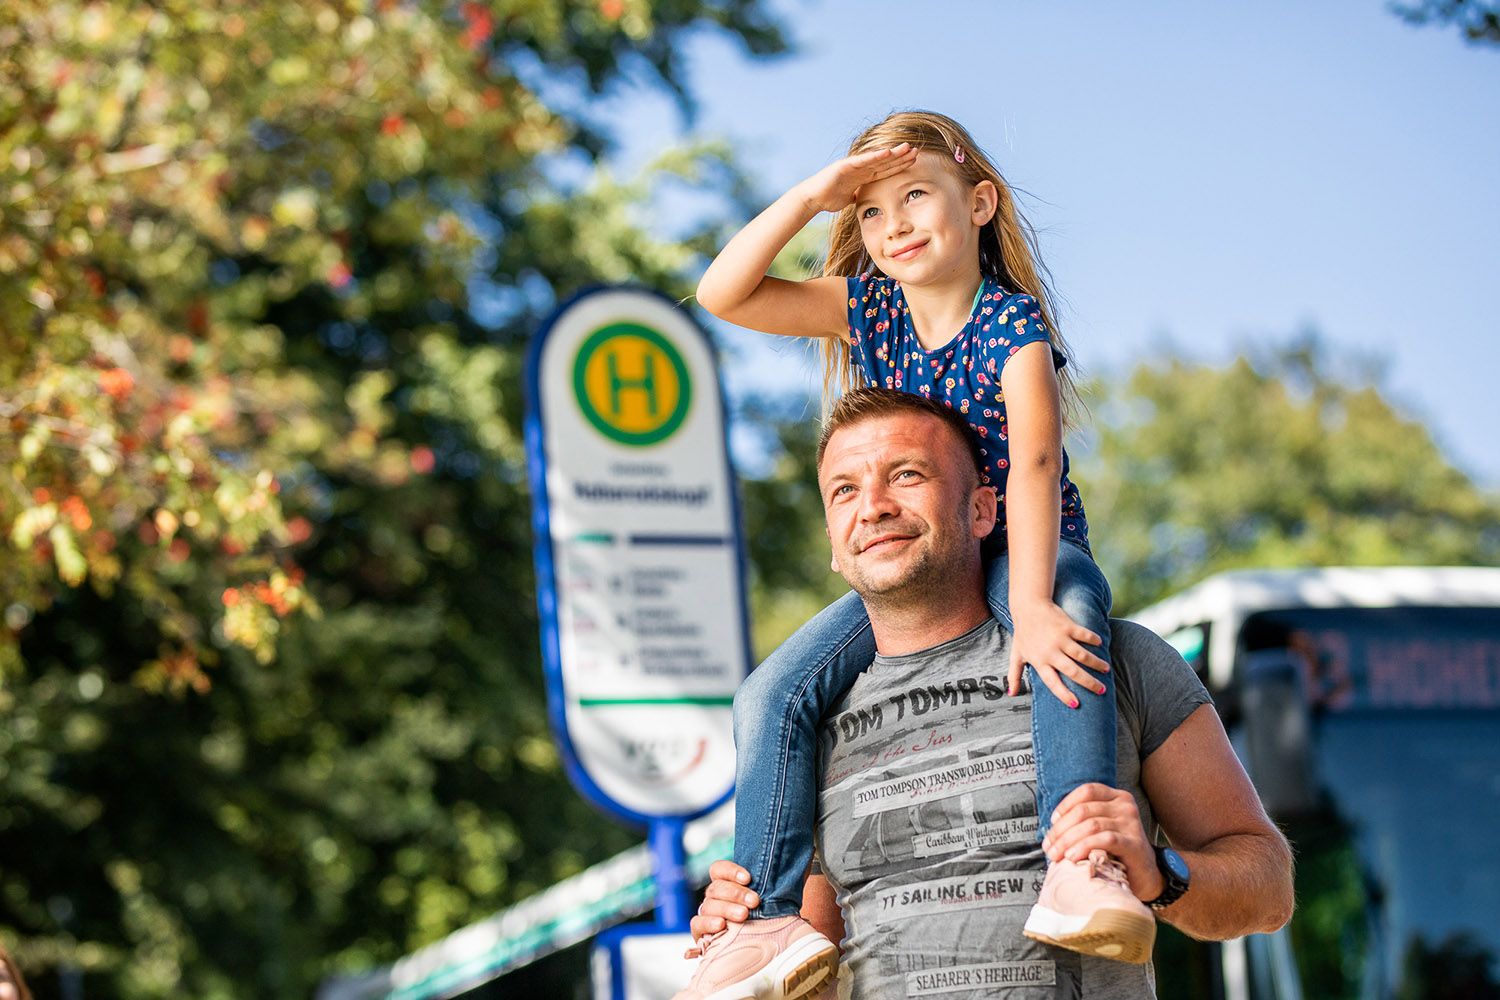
927 823
963 374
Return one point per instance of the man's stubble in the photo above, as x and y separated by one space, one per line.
937 567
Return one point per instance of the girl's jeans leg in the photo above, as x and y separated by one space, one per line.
1072 746
776 714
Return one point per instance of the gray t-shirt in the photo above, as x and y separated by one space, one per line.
927 823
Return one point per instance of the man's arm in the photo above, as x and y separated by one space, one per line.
820 907
1241 864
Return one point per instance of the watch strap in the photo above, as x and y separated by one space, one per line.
1172 886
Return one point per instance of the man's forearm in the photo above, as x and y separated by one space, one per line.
1241 884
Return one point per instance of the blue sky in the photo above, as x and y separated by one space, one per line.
1204 175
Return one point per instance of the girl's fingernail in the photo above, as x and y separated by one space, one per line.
1073 702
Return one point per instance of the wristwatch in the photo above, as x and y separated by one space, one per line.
1175 878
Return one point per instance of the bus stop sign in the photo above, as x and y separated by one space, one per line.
638 553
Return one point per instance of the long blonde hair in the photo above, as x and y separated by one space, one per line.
1007 245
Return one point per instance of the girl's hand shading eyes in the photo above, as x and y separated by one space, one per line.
832 188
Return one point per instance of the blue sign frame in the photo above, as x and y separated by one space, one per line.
610 946
546 577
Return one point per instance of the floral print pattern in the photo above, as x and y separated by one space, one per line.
963 374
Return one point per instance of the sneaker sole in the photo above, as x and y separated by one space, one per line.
1118 935
810 976
798 972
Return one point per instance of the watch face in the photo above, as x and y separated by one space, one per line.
1175 864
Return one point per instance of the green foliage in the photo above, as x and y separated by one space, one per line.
1478 20
789 553
1331 934
1192 469
1268 462
1457 966
270 701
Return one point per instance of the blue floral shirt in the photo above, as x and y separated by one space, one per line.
963 374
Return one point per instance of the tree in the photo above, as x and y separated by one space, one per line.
1477 19
791 577
271 700
1188 469
1269 461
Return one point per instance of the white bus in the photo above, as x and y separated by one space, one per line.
1365 704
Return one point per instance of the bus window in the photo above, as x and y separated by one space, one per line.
1192 644
1397 878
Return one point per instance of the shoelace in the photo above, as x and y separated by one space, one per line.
700 947
1109 869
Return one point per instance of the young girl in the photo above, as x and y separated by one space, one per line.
932 286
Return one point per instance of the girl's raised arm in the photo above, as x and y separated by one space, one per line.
736 287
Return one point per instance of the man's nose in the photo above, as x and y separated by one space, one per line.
877 502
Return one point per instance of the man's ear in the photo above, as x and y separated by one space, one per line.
833 556
984 200
985 510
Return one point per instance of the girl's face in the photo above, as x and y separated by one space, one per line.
921 226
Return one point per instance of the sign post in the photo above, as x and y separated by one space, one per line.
639 567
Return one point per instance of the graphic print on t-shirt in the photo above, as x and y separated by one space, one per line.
920 794
927 830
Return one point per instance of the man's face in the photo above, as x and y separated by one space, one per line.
903 506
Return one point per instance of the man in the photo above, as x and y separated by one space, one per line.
927 818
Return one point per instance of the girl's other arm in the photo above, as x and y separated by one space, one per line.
736 287
1045 636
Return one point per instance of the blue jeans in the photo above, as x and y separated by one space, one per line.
778 707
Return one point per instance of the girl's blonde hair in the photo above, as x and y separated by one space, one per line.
1007 245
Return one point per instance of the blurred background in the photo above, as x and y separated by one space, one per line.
270 693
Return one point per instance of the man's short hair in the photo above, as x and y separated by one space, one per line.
872 402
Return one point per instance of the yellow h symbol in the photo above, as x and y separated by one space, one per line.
632 384
645 383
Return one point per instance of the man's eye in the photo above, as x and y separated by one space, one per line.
844 490
908 474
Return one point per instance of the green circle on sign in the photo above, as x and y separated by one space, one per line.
631 384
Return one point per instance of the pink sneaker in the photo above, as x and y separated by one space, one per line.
1087 906
781 958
